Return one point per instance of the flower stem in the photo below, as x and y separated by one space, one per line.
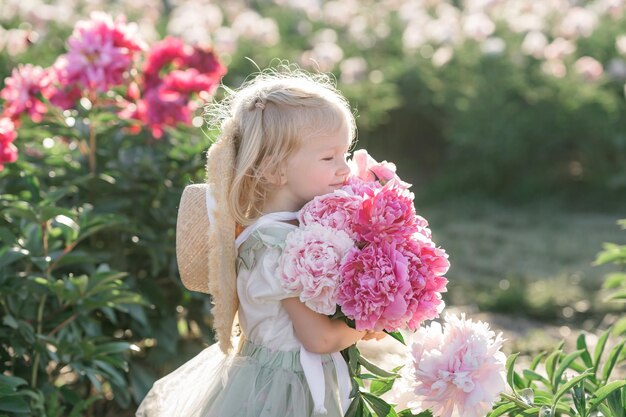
42 303
92 149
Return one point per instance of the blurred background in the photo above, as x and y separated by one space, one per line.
507 116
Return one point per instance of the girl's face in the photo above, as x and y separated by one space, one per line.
318 167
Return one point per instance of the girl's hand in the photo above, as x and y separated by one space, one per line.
369 334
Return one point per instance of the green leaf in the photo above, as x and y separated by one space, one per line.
599 349
356 403
397 336
380 406
581 343
12 381
530 376
619 328
381 386
353 359
10 321
611 361
8 255
579 395
601 394
612 253
14 404
614 402
503 409
566 387
551 363
620 295
375 369
563 365
614 280
510 370
537 359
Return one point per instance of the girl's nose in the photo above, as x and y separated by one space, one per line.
344 168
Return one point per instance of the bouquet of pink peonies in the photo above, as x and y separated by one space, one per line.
364 252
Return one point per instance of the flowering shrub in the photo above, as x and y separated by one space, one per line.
94 151
509 84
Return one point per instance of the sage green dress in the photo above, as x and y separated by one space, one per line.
265 377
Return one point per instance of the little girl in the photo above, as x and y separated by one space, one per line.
284 140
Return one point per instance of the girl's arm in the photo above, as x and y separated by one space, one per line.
318 333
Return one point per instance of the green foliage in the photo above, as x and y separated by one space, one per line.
88 277
572 384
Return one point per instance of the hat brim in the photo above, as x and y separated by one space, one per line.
192 238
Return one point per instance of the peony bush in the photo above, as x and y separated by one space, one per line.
94 152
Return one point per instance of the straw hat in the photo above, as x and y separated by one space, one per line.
205 240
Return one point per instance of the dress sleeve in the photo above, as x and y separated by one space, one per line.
261 255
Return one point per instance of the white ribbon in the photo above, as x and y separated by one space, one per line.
311 362
343 379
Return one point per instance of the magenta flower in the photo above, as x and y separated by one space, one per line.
23 90
335 210
173 72
8 151
310 265
460 370
388 215
101 51
375 287
158 108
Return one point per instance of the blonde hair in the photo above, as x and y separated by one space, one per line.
268 119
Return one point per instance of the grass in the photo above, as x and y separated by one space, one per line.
534 259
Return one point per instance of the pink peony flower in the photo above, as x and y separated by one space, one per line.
427 265
363 166
589 68
310 263
388 215
22 91
101 51
356 186
158 108
335 210
167 97
459 370
62 92
374 287
8 151
172 52
168 51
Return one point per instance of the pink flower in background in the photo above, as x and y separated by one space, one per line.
172 73
62 92
459 370
8 151
172 52
375 283
389 215
589 68
310 263
158 108
168 51
23 90
101 51
335 210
